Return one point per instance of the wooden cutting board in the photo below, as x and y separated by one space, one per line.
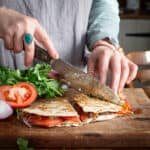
129 131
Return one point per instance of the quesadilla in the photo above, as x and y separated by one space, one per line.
50 113
93 109
72 110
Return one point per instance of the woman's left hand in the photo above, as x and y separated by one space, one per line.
105 57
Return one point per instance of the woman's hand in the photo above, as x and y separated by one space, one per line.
105 57
13 27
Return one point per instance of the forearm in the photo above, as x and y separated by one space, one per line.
103 22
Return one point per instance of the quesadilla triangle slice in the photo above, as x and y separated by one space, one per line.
93 109
49 113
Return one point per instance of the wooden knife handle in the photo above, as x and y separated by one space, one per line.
42 55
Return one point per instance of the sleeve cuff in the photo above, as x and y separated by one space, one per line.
96 37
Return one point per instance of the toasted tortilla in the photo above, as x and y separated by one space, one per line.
96 109
94 105
104 117
53 107
56 107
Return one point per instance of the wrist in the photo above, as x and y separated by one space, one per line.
105 43
108 44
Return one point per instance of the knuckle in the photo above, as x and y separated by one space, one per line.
17 48
103 70
25 21
44 39
125 66
116 70
28 20
7 45
103 53
35 21
8 33
117 55
18 26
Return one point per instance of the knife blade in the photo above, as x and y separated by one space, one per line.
78 79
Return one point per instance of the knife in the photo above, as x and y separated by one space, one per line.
78 79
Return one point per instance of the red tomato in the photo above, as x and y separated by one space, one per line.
45 121
49 121
4 88
20 95
83 116
126 108
72 119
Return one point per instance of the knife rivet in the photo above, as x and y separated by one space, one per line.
79 89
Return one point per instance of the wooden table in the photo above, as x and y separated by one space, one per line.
130 131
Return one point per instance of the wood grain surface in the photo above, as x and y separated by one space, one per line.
123 132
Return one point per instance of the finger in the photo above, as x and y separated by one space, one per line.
42 37
91 64
18 42
8 41
103 67
132 72
116 71
29 51
124 74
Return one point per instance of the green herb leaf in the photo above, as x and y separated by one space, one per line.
37 75
18 111
23 144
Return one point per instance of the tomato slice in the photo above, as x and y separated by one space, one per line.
50 121
4 88
126 108
83 116
71 118
45 121
20 95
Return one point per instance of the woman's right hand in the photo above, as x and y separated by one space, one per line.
13 27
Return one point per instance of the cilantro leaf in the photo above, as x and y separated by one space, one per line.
23 144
